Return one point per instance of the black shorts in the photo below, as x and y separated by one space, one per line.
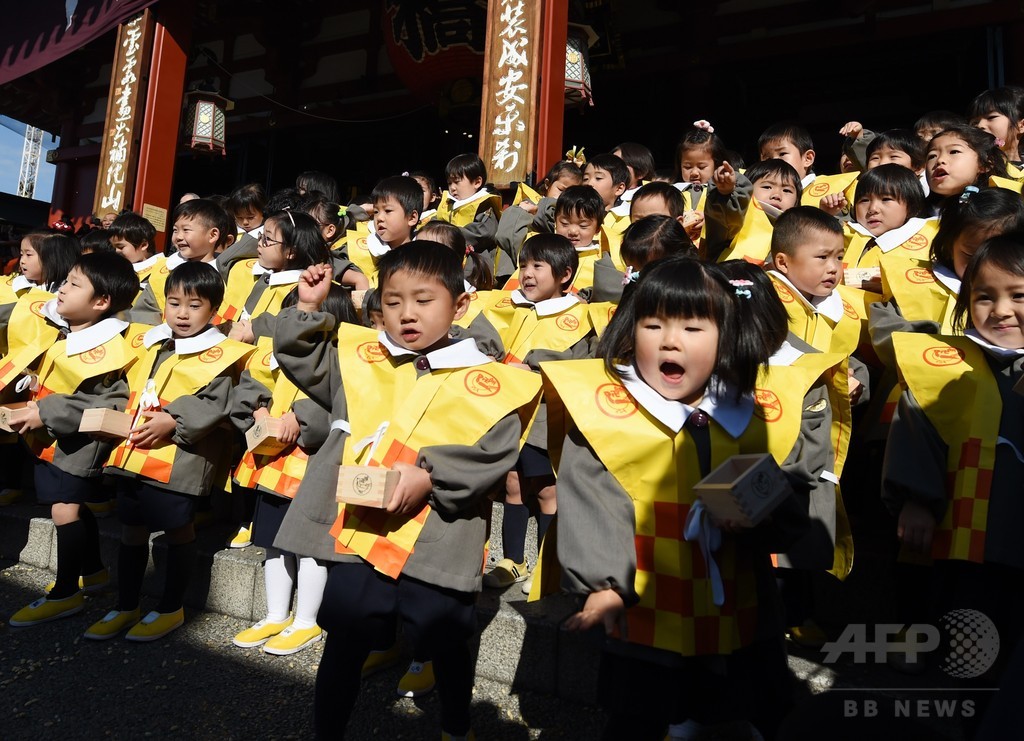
156 509
534 462
270 511
55 486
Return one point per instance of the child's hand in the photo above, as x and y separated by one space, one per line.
260 413
241 330
289 431
856 388
852 130
833 204
26 419
725 179
354 278
413 488
915 526
530 208
314 285
158 427
601 608
521 366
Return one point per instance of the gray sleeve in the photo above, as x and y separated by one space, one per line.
861 373
244 248
544 219
481 230
513 226
464 474
145 310
303 348
857 149
487 339
248 396
723 215
883 320
62 413
607 281
314 423
263 325
581 350
914 468
197 415
596 524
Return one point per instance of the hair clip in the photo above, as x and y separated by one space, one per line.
704 125
631 276
405 174
288 210
575 156
969 191
342 210
742 287
469 249
63 227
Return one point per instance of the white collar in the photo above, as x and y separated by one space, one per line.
144 264
718 403
786 355
50 311
258 270
860 229
376 246
893 238
482 193
176 260
622 209
946 277
595 245
466 286
284 277
92 337
830 306
20 283
461 354
682 187
427 214
627 195
807 180
186 346
274 365
923 178
993 350
254 233
548 306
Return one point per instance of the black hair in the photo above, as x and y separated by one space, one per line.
777 168
895 181
761 308
467 165
560 168
208 214
792 226
939 120
249 197
57 254
991 159
735 159
666 192
556 251
96 240
791 132
581 200
401 188
320 182
199 279
638 157
696 138
991 208
301 234
285 199
664 175
134 229
1006 253
652 238
680 286
371 304
902 140
112 276
431 183
326 213
431 260
476 268
1008 100
613 165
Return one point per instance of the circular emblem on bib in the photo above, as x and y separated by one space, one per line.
818 189
767 405
212 355
94 356
916 242
505 302
249 263
482 383
36 307
474 296
940 356
849 311
370 352
266 359
785 295
567 322
137 340
361 244
920 275
362 484
614 401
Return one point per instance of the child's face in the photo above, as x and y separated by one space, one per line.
129 251
29 263
393 225
77 301
1006 131
248 219
564 181
814 265
952 165
676 356
775 191
107 220
887 155
194 241
419 310
186 315
463 187
787 151
428 194
577 228
270 248
880 213
648 206
376 320
538 282
603 182
968 242
696 165
997 306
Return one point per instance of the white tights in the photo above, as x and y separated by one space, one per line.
279 573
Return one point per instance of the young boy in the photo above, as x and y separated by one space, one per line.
247 204
397 201
445 416
178 449
197 235
792 143
81 370
470 206
132 236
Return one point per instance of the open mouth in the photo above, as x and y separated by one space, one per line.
671 372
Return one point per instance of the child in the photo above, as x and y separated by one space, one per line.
419 560
658 198
477 271
132 236
959 157
544 323
315 182
397 202
1000 112
178 450
698 154
39 251
579 213
472 207
332 219
96 240
608 175
84 369
644 241
793 144
640 164
931 123
431 194
247 205
676 380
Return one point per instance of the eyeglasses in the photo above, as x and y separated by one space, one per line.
262 240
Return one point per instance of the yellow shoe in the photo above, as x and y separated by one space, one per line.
418 680
43 610
243 538
112 623
259 634
506 573
102 509
291 640
156 625
90 583
10 496
380 660
808 635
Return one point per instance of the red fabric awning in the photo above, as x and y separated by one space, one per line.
46 30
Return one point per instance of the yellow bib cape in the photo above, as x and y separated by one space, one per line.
658 470
601 314
917 246
359 253
951 380
1010 183
177 376
240 286
524 330
823 185
8 296
753 242
32 336
449 407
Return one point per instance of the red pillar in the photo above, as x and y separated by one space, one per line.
551 108
164 95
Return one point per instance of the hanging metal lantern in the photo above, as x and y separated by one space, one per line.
206 122
577 64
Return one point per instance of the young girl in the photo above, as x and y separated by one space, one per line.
699 153
958 423
333 220
1000 112
692 618
958 157
314 182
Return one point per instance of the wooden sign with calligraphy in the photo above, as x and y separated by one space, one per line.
509 99
123 124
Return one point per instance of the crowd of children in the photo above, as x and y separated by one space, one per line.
586 354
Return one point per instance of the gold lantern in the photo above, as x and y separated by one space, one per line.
206 122
577 64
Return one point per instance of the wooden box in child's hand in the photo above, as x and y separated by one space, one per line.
370 486
9 413
106 422
744 489
261 438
